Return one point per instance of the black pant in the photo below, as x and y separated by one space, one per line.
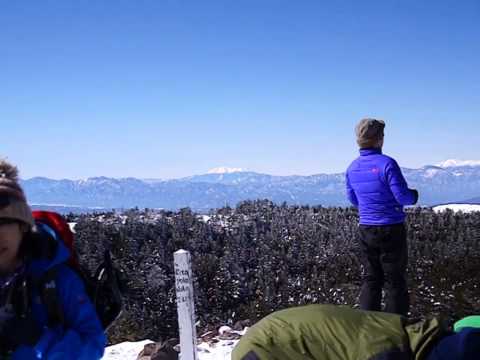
384 257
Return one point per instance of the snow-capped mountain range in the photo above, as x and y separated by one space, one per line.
457 163
225 170
454 181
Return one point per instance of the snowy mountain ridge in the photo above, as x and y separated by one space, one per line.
458 163
225 170
228 186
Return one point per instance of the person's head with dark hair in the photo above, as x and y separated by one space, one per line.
16 219
370 133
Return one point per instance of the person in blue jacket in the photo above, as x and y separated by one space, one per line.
26 254
375 184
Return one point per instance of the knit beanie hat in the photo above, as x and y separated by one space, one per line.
464 345
13 203
369 132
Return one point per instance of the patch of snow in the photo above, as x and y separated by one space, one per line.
431 173
224 329
71 225
221 350
204 218
466 208
153 181
456 163
125 350
225 170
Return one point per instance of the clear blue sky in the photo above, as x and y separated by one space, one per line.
170 88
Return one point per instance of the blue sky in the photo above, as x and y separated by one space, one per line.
170 88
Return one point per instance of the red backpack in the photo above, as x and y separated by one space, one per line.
104 288
58 223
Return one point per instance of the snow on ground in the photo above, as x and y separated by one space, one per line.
204 218
130 350
466 208
215 349
219 351
125 351
72 226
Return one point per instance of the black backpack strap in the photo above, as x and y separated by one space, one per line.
49 295
21 327
106 293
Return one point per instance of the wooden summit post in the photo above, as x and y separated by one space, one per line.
185 305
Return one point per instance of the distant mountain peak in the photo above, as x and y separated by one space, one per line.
437 185
457 163
225 170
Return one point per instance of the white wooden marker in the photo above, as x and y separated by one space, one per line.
185 305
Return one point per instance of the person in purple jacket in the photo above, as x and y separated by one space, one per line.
376 186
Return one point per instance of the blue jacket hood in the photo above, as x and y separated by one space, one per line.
37 267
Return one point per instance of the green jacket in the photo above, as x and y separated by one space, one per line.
331 332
